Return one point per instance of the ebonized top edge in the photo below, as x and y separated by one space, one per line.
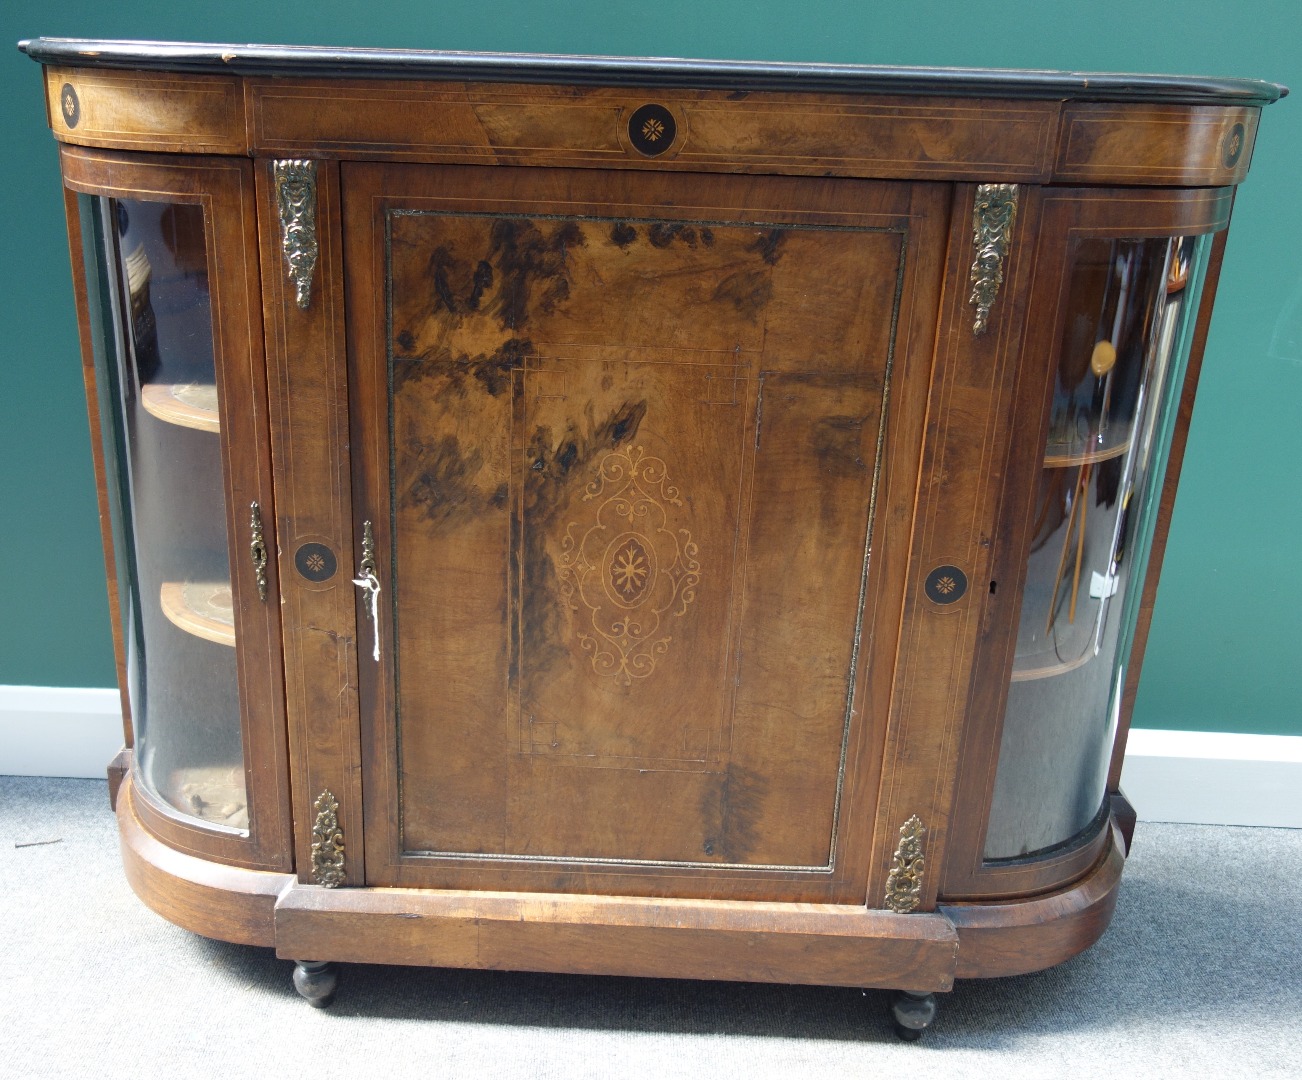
306 61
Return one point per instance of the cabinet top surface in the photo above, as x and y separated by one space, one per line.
304 61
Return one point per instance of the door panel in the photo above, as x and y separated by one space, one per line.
621 456
179 387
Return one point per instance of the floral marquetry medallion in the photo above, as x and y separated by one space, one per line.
631 567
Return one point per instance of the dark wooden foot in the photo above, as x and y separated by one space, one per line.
913 1013
316 980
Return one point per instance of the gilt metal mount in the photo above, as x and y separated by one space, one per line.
992 230
904 885
296 199
327 843
258 549
368 549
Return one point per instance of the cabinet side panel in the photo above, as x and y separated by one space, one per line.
90 321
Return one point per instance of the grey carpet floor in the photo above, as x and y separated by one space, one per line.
1200 975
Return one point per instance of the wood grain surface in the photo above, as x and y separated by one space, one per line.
1155 144
585 382
957 503
308 400
809 134
761 942
1017 937
137 110
229 903
813 134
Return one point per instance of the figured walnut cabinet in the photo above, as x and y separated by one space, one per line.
635 517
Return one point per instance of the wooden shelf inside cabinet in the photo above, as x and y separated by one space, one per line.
202 608
191 405
1068 459
1048 671
212 793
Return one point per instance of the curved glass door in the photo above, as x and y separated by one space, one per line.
1124 344
181 644
170 258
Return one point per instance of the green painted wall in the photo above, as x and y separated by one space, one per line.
1225 651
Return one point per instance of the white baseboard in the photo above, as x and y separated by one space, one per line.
56 731
1212 778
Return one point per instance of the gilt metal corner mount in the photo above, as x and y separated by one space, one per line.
296 200
327 843
992 230
904 885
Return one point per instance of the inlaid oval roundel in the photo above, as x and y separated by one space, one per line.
652 129
627 592
630 569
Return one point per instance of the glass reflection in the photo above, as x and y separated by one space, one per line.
1129 308
179 626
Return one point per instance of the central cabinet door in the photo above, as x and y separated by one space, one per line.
627 443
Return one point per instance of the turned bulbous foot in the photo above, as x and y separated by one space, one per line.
913 1013
316 980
